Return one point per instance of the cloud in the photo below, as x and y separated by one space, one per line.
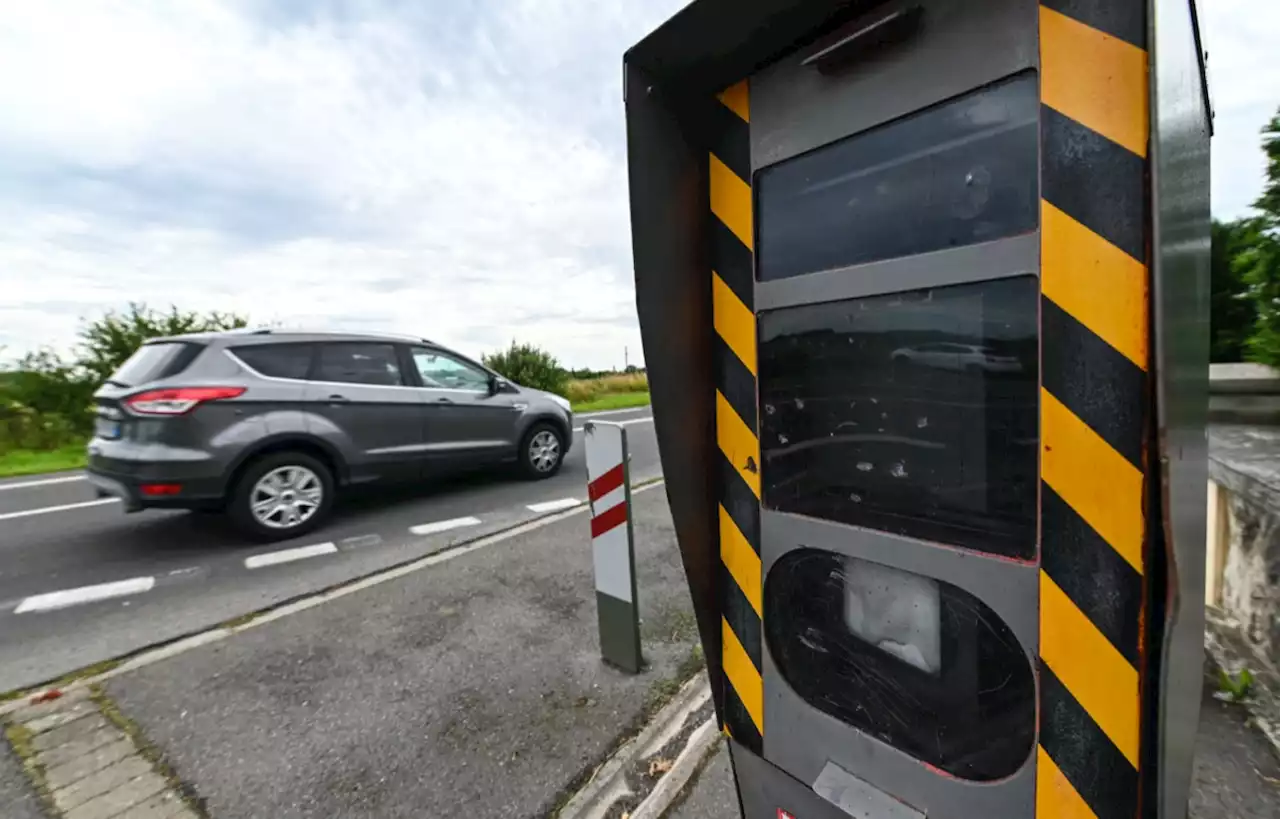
454 171
1244 76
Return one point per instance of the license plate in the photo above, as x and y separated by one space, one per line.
104 428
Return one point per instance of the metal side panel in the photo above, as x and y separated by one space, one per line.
669 218
1181 129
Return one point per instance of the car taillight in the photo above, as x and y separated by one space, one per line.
159 490
178 400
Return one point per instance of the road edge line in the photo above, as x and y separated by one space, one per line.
14 699
38 482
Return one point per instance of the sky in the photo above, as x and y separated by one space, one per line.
455 170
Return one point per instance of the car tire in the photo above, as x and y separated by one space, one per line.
541 451
297 477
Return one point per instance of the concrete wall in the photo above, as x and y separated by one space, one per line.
1243 565
1242 571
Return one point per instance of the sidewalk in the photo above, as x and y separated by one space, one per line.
474 684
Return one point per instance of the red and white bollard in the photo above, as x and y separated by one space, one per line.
612 546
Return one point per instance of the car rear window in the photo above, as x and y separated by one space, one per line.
150 362
277 360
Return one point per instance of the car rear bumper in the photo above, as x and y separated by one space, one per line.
117 471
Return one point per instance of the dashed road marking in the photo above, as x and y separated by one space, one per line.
40 482
436 527
289 555
553 506
66 507
51 601
360 541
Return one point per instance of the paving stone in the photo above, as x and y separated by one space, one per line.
75 748
69 732
114 802
39 723
73 770
101 782
33 710
165 805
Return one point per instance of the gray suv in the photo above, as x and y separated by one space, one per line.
267 425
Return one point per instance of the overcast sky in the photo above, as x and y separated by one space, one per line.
449 169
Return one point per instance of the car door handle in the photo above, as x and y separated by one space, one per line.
338 399
444 400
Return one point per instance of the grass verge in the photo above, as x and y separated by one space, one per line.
617 400
32 462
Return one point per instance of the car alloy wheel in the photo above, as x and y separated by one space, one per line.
286 497
544 451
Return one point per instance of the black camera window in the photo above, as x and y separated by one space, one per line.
913 661
956 174
915 413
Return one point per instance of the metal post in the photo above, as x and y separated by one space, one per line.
612 544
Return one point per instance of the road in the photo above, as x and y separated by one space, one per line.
169 574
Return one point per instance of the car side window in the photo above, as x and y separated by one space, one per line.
277 360
359 363
444 372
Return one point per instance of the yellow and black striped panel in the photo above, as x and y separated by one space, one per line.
1094 404
732 278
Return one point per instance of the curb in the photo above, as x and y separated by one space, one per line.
701 742
608 785
1229 652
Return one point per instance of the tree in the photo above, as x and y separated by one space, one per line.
1232 313
1258 265
107 342
528 366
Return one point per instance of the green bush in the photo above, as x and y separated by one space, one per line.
46 401
106 343
528 366
22 427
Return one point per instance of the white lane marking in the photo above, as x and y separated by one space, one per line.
85 594
41 482
553 506
289 555
648 420
150 656
436 527
66 507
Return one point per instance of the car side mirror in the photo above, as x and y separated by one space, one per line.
499 385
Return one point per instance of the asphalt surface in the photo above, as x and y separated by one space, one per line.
471 687
193 565
17 798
